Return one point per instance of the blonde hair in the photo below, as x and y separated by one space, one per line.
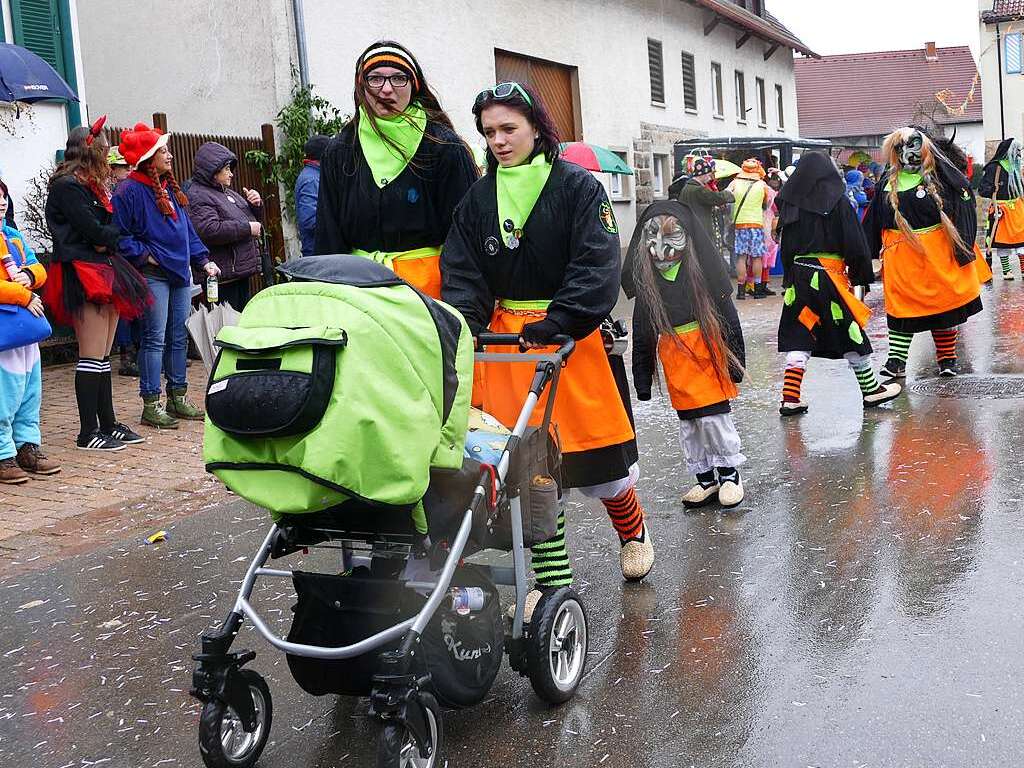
930 155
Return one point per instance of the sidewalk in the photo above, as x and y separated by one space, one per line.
99 495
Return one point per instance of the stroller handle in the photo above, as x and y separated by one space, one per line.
565 343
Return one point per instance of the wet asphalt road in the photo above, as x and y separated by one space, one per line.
862 608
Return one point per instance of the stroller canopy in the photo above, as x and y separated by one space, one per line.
392 396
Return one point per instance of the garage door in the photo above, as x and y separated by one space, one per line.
554 82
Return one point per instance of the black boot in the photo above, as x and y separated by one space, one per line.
740 293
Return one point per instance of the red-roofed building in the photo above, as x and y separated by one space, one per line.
856 99
1002 75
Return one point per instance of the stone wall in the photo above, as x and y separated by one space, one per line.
654 139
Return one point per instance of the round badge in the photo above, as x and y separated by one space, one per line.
513 242
508 226
491 246
518 234
921 193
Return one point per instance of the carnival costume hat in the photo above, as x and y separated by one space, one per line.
141 143
751 169
702 165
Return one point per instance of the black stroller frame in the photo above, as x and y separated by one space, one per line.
237 712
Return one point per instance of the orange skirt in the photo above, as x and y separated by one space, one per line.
690 371
423 272
836 271
588 411
984 270
922 284
1010 224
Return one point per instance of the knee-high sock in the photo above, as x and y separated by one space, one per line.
88 377
626 514
764 275
105 398
866 378
550 559
1004 259
945 344
899 345
792 380
1020 258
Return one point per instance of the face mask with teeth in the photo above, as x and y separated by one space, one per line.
666 248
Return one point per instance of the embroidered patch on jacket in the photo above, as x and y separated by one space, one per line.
608 218
491 246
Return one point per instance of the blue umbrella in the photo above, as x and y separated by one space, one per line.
24 76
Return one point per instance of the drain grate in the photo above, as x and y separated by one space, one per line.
977 387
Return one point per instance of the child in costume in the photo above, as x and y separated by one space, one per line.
1002 184
683 315
923 222
21 382
823 252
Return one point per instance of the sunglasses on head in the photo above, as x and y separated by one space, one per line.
502 92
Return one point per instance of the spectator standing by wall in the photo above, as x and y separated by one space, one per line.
228 222
307 191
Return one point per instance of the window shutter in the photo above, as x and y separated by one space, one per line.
654 60
1013 54
37 28
689 82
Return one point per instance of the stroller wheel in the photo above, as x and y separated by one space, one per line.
396 747
556 648
223 741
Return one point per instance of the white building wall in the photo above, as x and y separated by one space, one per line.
212 67
1012 123
606 41
38 134
971 137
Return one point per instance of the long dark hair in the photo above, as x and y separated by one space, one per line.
422 95
547 139
649 297
87 162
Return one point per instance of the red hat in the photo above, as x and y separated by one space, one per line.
141 143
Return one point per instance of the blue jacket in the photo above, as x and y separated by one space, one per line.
147 232
307 190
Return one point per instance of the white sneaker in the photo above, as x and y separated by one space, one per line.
730 494
636 557
884 394
532 598
792 409
698 496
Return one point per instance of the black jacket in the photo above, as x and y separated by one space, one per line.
413 211
569 254
838 231
78 221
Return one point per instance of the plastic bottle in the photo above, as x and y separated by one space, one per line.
467 599
212 289
11 266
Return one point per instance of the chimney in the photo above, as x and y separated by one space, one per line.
931 53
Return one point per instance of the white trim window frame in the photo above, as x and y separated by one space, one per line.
717 91
740 83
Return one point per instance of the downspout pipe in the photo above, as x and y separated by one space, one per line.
999 62
300 41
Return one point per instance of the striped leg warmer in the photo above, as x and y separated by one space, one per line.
945 344
792 380
899 345
626 514
550 559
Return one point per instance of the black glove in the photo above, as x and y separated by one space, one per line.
540 332
644 395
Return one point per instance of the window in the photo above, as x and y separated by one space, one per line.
1012 58
618 188
741 98
762 104
654 61
689 83
779 106
36 27
659 174
717 102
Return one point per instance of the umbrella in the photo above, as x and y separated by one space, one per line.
725 168
24 76
204 325
594 158
859 157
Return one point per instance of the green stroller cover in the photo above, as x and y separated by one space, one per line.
346 383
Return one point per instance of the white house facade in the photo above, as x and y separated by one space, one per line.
1001 23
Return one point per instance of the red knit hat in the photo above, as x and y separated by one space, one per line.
141 143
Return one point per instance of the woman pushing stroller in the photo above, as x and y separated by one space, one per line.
534 250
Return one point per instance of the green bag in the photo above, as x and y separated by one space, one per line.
330 391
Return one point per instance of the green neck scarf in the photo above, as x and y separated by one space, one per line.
518 190
671 273
905 180
405 130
